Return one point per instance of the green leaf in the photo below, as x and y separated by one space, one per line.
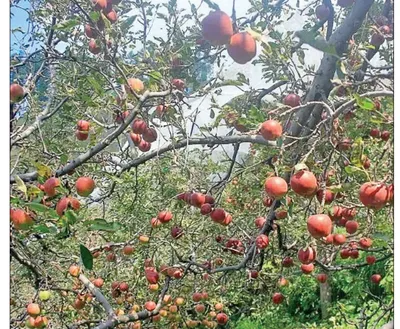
37 207
211 4
155 75
228 83
87 257
126 24
95 85
364 102
41 228
317 42
341 70
212 114
64 159
381 236
20 184
71 216
95 15
67 25
279 142
102 225
301 55
43 170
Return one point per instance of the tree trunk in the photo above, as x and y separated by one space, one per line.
325 298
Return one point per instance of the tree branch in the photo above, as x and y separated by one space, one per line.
101 145
322 84
97 293
197 141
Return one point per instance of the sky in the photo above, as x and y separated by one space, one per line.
230 70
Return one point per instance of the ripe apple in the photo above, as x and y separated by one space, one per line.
283 282
123 286
354 253
150 135
139 126
262 241
176 232
275 187
154 222
222 318
322 12
197 199
218 215
16 93
307 255
292 100
375 133
377 39
164 216
200 308
271 130
179 301
339 239
205 209
345 144
67 202
20 219
151 276
259 222
287 262
376 278
328 239
322 277
128 250
345 253
319 225
137 86
84 186
33 309
277 298
111 257
50 186
150 306
74 270
98 282
94 47
385 135
365 243
329 196
307 268
112 16
143 239
144 146
136 138
370 259
281 214
304 183
178 84
253 274
351 226
374 195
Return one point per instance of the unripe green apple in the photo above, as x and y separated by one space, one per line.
44 295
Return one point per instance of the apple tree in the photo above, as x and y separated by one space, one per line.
201 164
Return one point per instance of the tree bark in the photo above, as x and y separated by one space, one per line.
325 298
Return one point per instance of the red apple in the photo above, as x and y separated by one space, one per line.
319 225
84 186
293 100
277 298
